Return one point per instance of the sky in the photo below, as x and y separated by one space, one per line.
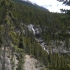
52 5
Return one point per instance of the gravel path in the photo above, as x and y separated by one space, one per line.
30 63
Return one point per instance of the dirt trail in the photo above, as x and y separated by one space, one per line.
30 63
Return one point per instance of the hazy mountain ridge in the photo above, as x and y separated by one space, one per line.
26 2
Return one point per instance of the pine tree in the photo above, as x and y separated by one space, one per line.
7 5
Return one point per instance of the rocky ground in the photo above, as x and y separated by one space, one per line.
7 60
32 64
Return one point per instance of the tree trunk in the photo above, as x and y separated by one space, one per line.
3 63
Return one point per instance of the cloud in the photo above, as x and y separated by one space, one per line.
52 8
45 2
56 8
52 5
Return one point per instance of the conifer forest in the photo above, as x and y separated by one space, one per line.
32 34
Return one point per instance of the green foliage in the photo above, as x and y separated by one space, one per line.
53 25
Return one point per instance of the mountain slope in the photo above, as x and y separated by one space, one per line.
52 29
28 3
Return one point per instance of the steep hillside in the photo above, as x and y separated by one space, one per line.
30 4
28 29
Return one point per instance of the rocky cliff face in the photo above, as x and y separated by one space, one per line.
8 61
56 46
